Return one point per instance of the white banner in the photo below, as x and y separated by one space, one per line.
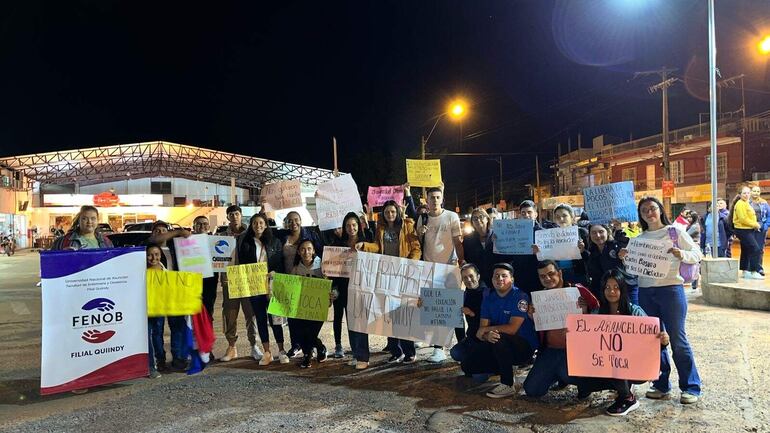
552 307
334 199
94 305
222 252
648 257
383 293
337 261
281 195
560 243
193 254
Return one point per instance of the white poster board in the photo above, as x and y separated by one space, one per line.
552 307
334 199
648 258
559 243
221 250
337 261
193 254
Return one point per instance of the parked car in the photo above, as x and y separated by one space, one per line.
138 227
104 228
129 239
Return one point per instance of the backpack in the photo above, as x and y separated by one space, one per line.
689 272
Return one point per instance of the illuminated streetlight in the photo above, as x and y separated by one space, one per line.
764 45
457 109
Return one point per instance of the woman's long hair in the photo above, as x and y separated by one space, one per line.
624 302
267 235
591 244
399 218
345 237
76 220
663 218
732 210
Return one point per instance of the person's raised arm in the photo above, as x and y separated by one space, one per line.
162 238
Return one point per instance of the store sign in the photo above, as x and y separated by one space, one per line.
105 199
668 188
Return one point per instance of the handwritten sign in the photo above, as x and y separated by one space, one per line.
619 347
383 293
173 293
244 281
604 203
221 248
193 254
513 236
334 199
552 307
423 172
281 195
648 257
442 307
559 243
337 261
378 195
299 297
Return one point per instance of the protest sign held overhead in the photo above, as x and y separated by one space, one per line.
378 195
244 281
423 172
648 257
334 199
281 195
337 261
193 254
442 307
513 236
299 297
94 318
559 243
552 307
221 250
603 203
173 293
618 347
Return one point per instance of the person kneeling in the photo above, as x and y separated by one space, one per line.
506 333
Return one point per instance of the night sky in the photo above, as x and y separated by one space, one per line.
279 79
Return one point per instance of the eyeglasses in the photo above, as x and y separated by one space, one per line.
649 209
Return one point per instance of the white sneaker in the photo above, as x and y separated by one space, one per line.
757 276
747 275
438 355
256 353
501 391
362 365
283 358
267 358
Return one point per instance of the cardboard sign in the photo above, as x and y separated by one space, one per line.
193 254
281 195
337 261
383 293
604 203
245 281
222 248
378 195
173 293
559 243
618 347
442 307
513 236
552 307
299 297
334 199
94 318
423 172
648 257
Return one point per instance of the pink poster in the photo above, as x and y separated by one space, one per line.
620 347
378 195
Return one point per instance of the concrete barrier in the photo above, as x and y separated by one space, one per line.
722 286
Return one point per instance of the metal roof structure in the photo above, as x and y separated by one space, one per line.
158 159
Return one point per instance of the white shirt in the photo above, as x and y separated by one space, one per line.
438 245
690 254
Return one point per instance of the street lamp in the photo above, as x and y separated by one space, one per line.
764 45
457 110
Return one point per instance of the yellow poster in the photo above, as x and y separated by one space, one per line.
248 280
425 173
173 293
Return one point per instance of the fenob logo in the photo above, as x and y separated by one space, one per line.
102 313
222 247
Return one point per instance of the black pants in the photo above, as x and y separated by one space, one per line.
210 295
339 304
593 384
398 347
751 249
259 305
498 358
305 334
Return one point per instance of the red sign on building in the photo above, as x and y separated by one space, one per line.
668 188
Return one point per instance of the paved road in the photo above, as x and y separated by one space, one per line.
731 347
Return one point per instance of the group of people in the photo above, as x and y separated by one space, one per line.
500 332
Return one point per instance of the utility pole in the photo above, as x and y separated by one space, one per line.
422 152
334 145
729 82
500 161
537 183
663 86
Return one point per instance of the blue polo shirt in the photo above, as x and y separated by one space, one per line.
499 310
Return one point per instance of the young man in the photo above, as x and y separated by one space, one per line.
475 291
441 241
551 362
231 307
506 333
524 265
201 226
762 209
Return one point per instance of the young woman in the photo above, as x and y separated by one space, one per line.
747 228
82 234
474 245
257 245
615 301
603 257
665 298
307 264
572 270
157 355
395 236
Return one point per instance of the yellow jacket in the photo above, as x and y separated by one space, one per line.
744 216
408 242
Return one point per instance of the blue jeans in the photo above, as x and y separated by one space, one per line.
550 367
633 294
155 344
669 303
178 327
460 351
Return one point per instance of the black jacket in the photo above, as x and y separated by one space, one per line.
247 252
524 267
600 262
472 300
474 253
